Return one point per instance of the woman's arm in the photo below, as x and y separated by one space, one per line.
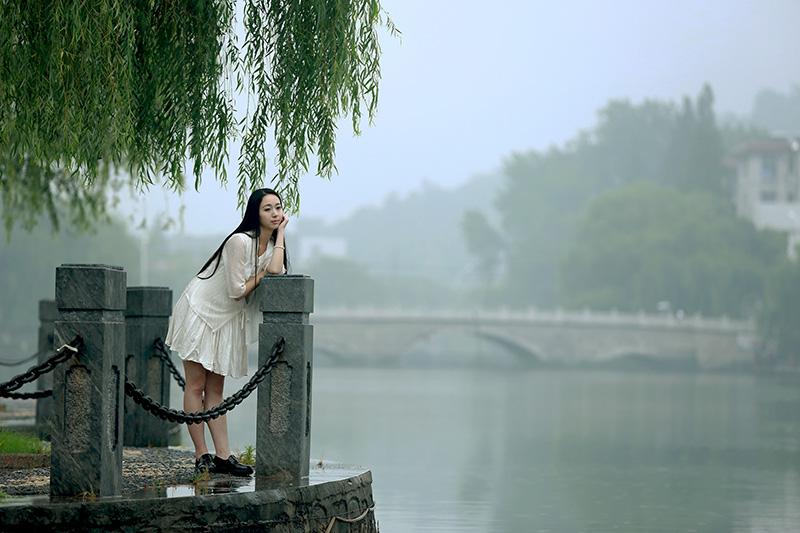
251 283
275 265
234 256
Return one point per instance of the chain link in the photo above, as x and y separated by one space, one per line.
182 417
355 520
4 362
27 395
65 352
160 351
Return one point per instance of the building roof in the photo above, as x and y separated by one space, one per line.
774 145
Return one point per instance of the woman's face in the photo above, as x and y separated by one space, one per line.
270 212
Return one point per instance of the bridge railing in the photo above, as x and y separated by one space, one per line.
540 316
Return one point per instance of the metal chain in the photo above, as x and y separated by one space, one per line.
27 395
359 518
3 362
30 357
160 351
182 417
65 352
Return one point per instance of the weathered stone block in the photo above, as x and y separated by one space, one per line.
146 319
287 294
48 314
149 302
86 455
283 423
48 311
90 287
282 510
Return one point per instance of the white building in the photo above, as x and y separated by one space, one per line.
768 186
308 247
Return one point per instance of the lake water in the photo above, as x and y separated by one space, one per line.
476 450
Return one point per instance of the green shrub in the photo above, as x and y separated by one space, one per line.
13 442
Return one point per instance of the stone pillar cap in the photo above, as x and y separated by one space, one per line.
149 301
48 310
90 287
286 294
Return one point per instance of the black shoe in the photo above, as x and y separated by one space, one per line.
231 466
204 464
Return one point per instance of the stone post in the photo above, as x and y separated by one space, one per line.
146 318
48 314
88 389
283 419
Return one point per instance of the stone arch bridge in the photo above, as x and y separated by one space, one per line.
550 337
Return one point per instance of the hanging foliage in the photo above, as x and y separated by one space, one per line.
144 85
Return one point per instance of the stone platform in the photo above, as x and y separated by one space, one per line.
141 468
160 493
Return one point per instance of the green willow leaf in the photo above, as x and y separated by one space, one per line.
147 87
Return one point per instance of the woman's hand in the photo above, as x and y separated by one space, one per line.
283 223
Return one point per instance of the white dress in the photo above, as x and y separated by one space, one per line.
211 323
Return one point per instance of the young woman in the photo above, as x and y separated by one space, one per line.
216 317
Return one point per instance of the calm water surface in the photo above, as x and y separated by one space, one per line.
551 451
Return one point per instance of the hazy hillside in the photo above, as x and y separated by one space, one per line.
418 234
777 112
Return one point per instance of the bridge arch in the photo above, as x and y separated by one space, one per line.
523 352
332 355
634 358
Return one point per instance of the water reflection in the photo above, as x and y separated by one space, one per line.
321 472
466 450
202 488
476 450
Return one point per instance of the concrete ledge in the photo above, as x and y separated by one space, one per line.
296 509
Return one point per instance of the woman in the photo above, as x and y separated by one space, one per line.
216 317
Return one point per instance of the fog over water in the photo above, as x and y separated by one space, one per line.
468 450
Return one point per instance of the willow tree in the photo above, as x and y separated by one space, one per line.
147 88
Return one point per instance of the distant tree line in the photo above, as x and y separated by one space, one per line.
633 214
637 214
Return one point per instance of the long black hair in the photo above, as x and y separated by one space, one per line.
250 223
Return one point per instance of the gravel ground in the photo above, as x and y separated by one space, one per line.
141 467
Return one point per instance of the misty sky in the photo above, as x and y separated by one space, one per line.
466 85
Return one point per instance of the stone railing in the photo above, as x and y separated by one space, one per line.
87 418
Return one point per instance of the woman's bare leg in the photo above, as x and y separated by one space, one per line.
215 384
193 401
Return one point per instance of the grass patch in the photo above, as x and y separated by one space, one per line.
248 456
200 477
87 496
13 442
